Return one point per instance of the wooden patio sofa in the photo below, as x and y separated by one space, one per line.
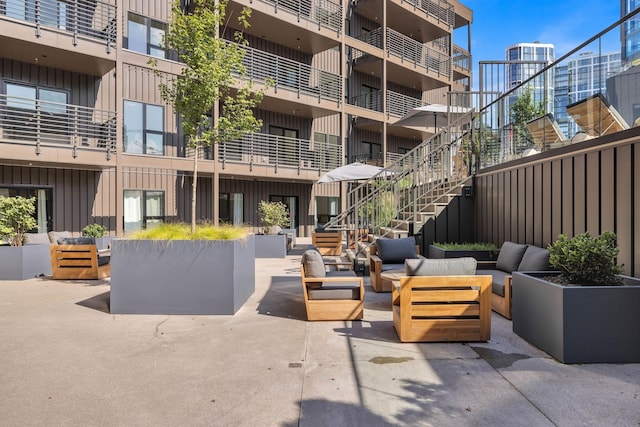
79 262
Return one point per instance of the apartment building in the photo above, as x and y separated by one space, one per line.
83 127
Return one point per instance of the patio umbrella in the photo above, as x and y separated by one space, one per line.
431 117
351 172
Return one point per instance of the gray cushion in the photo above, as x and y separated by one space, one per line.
36 239
313 264
396 250
103 259
440 267
387 267
510 256
497 283
534 259
55 235
77 241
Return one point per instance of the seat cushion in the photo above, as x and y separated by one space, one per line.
387 267
534 259
497 283
396 250
440 267
36 239
103 259
77 241
336 290
510 256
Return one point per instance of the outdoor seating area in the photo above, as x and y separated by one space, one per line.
77 261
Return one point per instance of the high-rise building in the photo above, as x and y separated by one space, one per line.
580 78
630 32
83 127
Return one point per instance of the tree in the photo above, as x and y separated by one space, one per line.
524 109
213 66
16 218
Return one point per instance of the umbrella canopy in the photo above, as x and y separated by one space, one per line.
431 117
351 172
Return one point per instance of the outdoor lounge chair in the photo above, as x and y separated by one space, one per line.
596 116
545 130
389 254
78 258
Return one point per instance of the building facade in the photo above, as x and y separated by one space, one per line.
630 32
83 127
523 61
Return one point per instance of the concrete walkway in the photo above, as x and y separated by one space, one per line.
64 360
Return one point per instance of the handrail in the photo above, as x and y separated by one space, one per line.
413 51
324 13
399 105
31 120
94 19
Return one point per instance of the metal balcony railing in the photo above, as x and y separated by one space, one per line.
413 51
440 10
279 151
461 58
26 120
321 12
286 73
399 105
373 37
90 19
370 101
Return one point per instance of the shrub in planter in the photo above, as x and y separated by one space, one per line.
94 230
16 218
586 260
272 214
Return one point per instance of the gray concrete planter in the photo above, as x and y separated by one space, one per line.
181 276
271 245
479 255
102 243
24 262
578 324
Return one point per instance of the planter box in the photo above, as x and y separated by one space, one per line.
479 255
181 276
24 262
578 324
271 245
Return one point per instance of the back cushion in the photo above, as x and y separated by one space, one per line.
55 235
395 251
510 256
534 259
77 241
36 239
465 266
313 264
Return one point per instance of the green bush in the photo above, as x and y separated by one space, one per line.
273 213
94 230
586 260
16 218
181 231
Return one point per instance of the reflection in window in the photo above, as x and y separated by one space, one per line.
146 36
232 208
143 128
143 209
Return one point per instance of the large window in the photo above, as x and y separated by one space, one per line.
146 36
44 204
232 208
326 209
143 209
143 128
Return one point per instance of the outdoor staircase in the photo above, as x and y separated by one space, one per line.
410 191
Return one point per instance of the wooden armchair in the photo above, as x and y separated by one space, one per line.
442 307
389 254
330 295
328 242
79 262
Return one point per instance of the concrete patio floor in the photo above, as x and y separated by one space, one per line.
65 360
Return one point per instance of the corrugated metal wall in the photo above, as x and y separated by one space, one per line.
566 192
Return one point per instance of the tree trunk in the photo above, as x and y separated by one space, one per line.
193 191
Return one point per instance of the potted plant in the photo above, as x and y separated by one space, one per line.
99 233
169 270
479 251
273 217
586 311
18 261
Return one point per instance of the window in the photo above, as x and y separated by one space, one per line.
146 36
143 209
291 202
370 151
143 128
285 150
50 13
22 120
232 208
326 209
44 204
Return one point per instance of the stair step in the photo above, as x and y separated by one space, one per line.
393 233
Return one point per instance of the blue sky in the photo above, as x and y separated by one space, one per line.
565 23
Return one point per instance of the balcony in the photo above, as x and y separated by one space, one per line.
461 63
310 26
32 125
398 105
75 36
296 86
279 154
